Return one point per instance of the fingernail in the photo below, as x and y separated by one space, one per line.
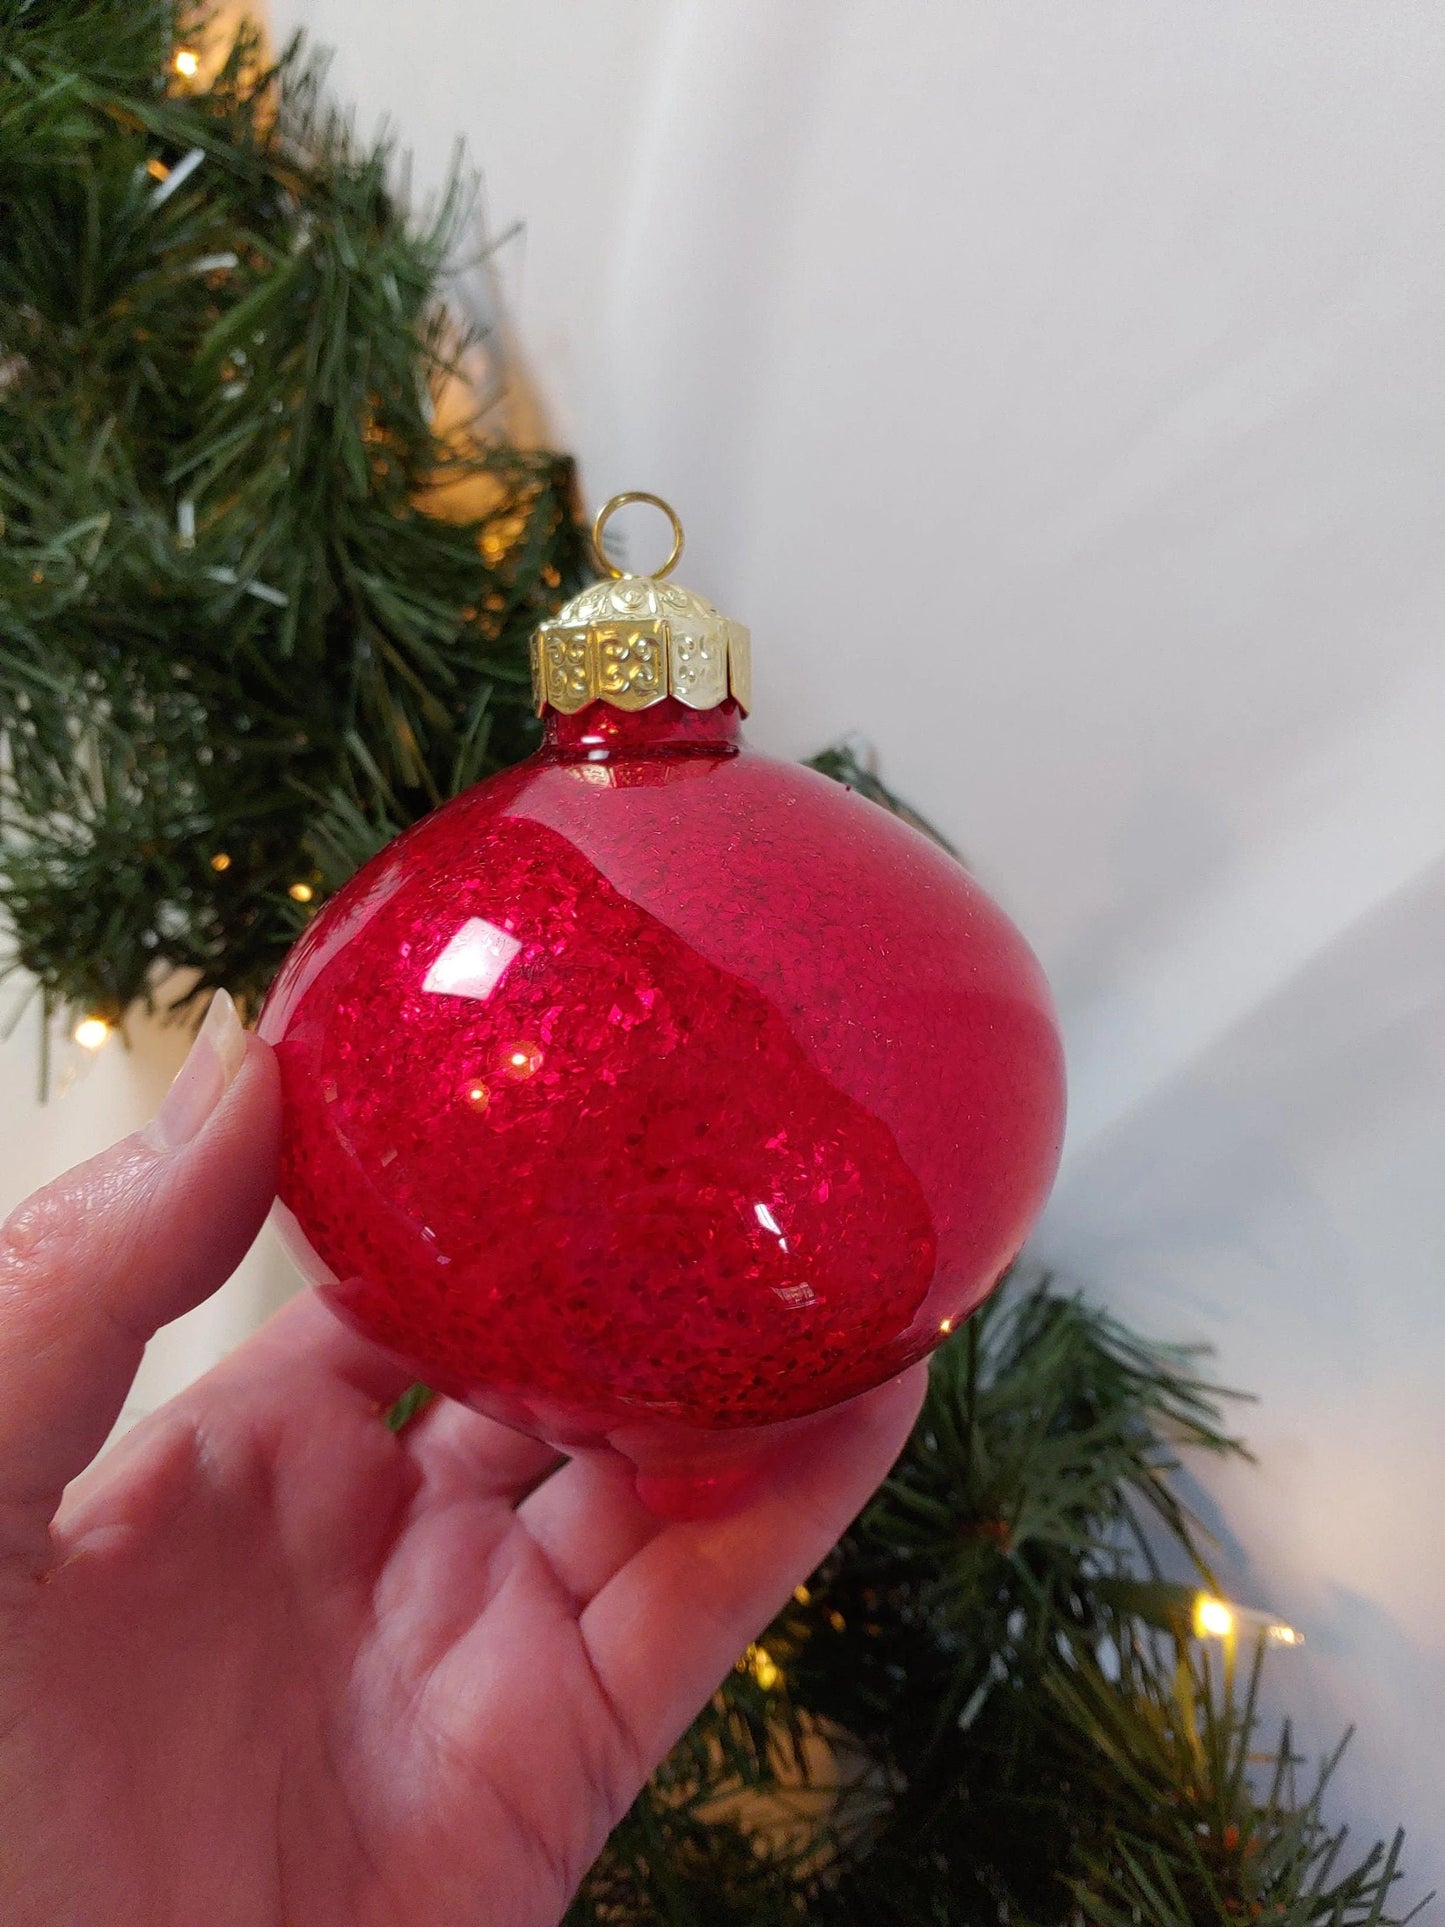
200 1083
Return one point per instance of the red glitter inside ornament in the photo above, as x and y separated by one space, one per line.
655 1090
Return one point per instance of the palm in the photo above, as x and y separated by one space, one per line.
286 1666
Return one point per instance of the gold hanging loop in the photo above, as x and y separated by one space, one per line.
634 640
609 509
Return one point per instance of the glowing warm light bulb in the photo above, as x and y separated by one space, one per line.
1213 1619
945 1325
301 893
1218 1619
91 1032
220 862
763 1667
187 62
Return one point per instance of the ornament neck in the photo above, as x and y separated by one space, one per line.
599 733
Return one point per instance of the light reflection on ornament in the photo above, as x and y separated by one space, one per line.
474 962
769 1223
795 1297
522 1061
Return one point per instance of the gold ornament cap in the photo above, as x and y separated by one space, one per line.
633 640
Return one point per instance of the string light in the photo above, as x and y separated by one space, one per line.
220 862
91 1032
187 62
1213 1619
945 1325
301 893
1219 1619
758 1661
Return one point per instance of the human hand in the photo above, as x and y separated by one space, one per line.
268 1662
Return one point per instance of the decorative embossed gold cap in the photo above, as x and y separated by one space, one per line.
632 640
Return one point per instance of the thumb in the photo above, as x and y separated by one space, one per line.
94 1264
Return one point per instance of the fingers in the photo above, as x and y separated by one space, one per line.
588 1521
667 1627
466 1456
303 1358
94 1264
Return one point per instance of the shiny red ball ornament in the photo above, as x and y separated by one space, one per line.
655 1092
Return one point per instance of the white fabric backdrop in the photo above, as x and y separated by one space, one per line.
1067 383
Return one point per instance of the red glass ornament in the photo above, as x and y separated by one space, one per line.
654 1092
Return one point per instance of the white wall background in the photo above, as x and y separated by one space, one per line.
1067 384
